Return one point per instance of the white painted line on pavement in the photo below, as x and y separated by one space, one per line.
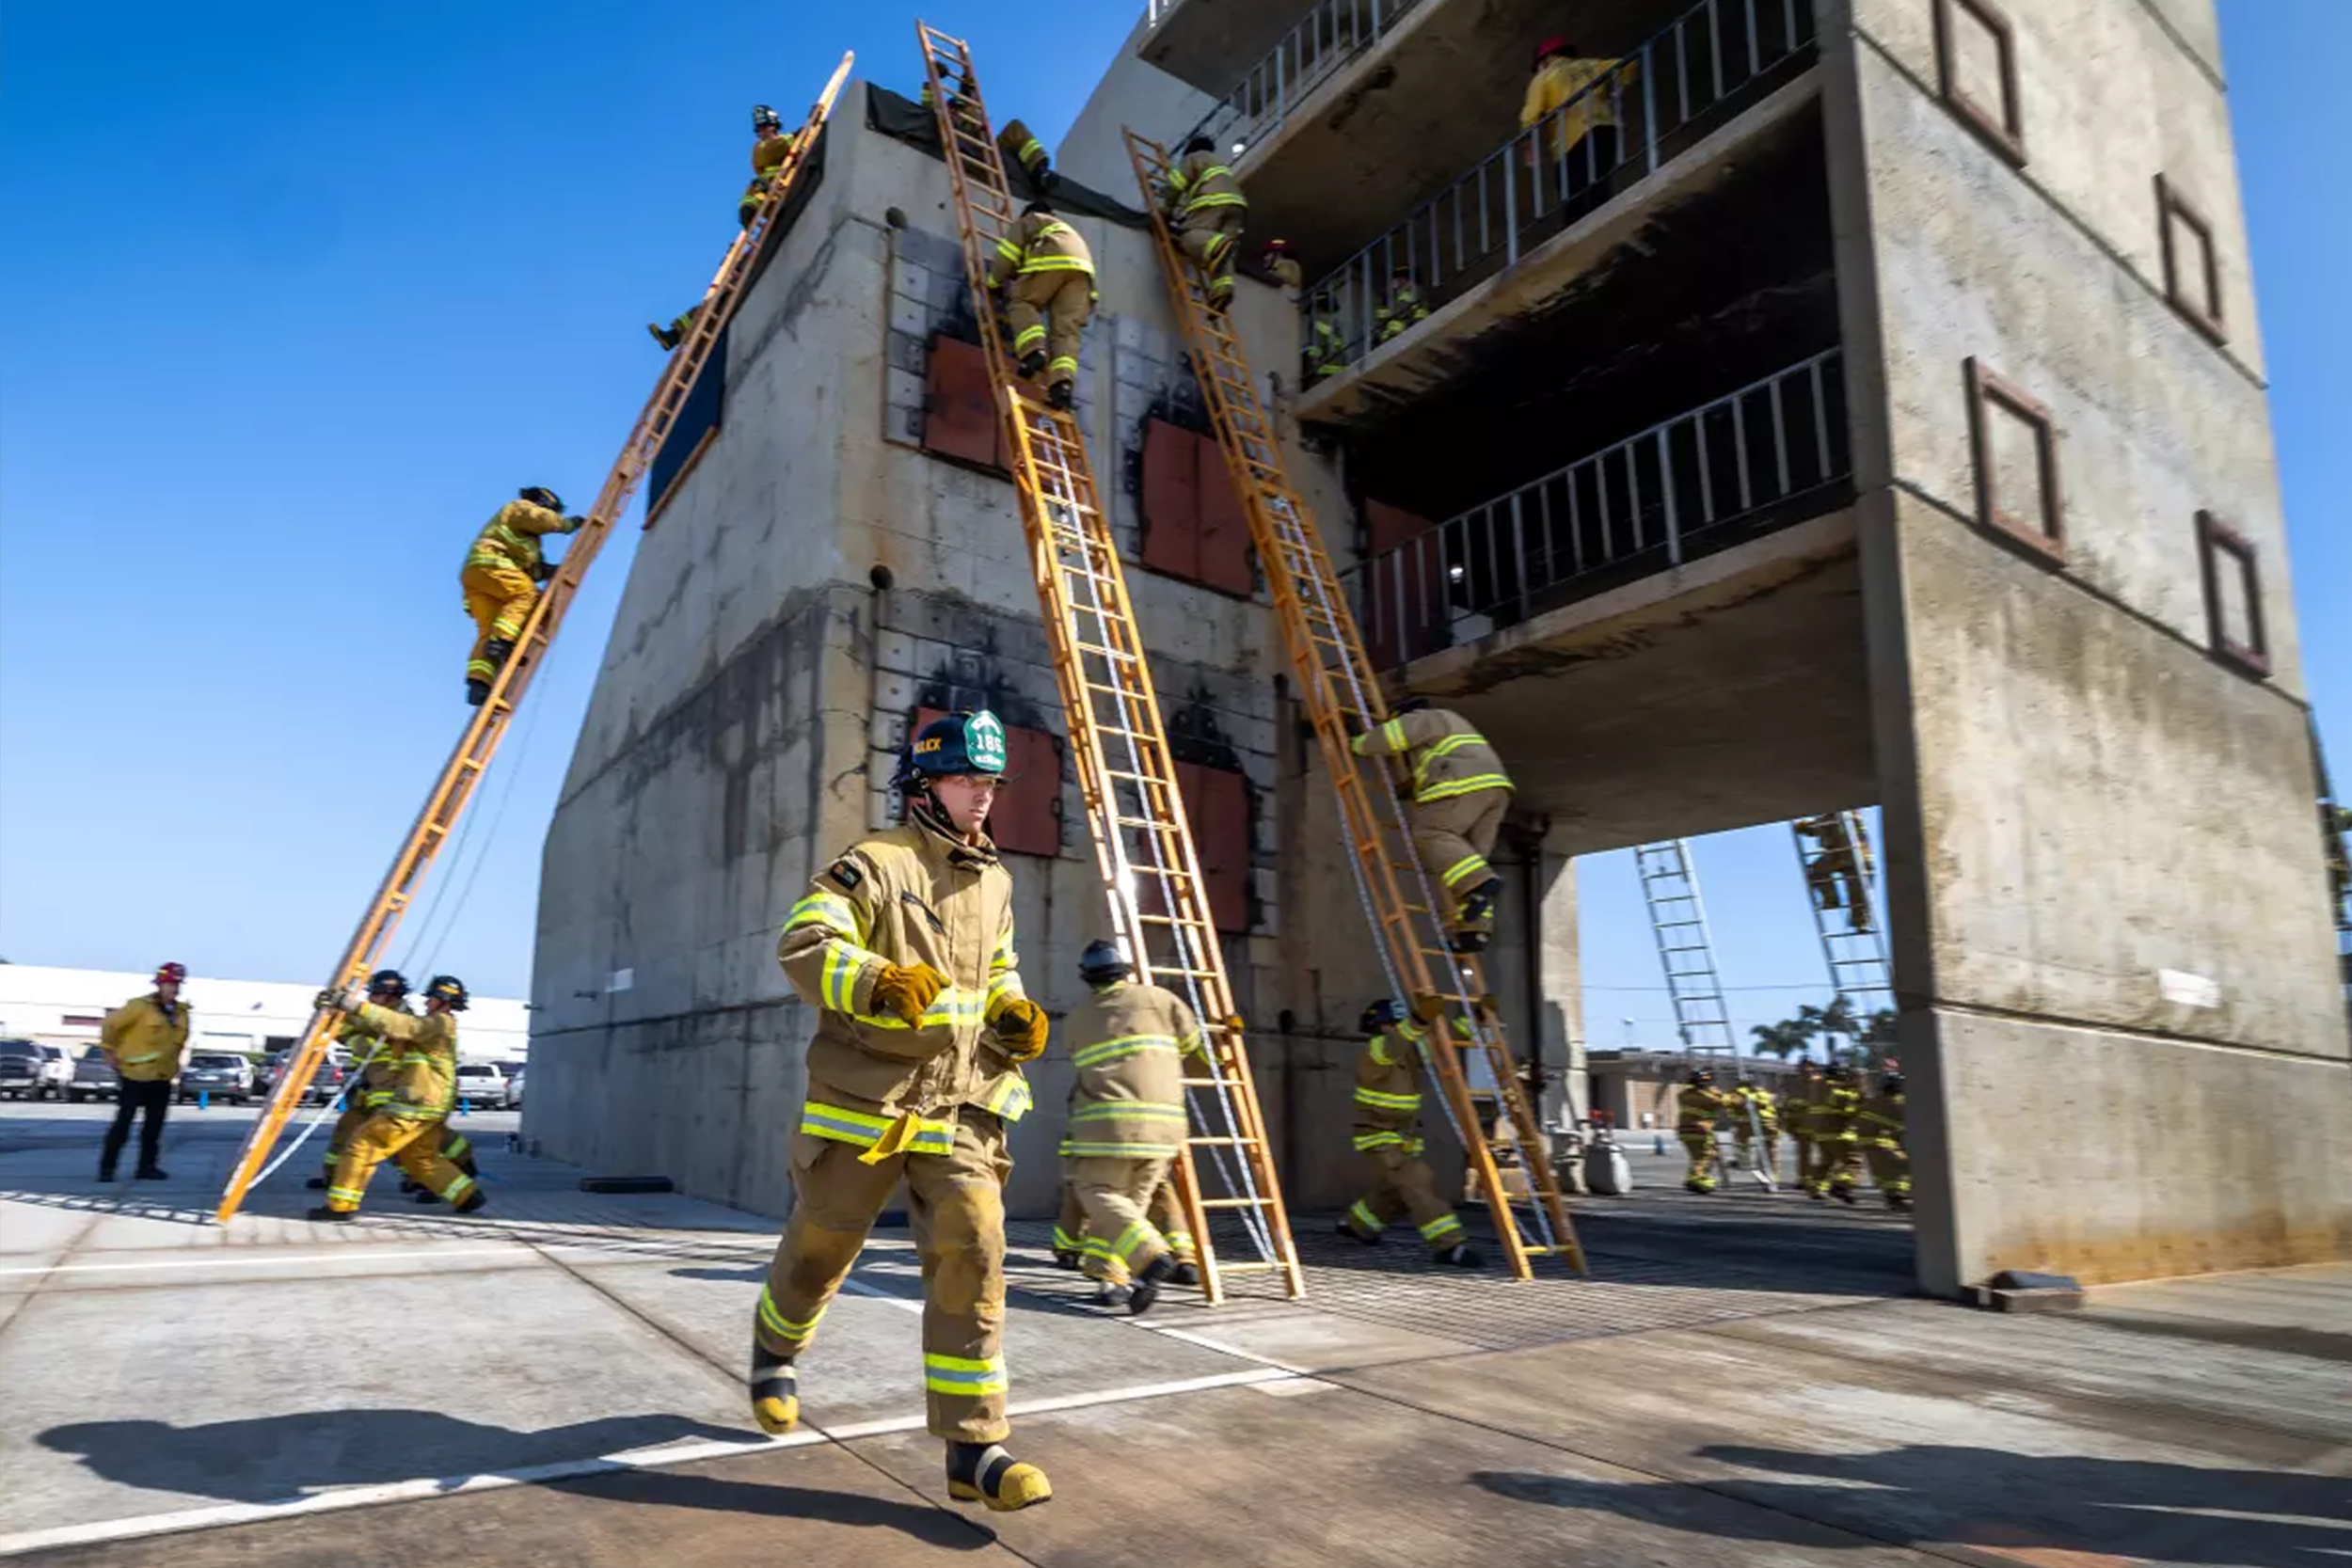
858 1287
246 1260
222 1514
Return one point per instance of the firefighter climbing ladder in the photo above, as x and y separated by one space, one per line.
1686 951
1854 940
463 772
1341 695
1151 874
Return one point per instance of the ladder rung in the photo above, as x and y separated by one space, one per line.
1236 1203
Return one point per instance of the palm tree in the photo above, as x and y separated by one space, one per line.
1830 1025
1787 1038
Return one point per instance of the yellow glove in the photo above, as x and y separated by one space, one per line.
908 991
1020 1029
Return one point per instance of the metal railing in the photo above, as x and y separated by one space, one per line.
1704 67
1331 34
1769 454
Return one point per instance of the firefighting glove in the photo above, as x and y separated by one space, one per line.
908 991
573 525
1020 1029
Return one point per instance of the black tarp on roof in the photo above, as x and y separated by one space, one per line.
906 120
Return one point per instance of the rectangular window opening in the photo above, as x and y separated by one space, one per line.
2233 606
1975 60
2016 463
2192 276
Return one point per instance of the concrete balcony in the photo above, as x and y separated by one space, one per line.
1211 44
1544 216
1362 111
1690 588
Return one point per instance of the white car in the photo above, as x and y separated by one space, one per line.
57 1071
482 1086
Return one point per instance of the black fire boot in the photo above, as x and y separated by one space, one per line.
985 1473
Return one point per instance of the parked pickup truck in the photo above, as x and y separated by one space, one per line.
94 1077
20 1070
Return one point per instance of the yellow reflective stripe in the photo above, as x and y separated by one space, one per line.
1445 1225
783 1327
1121 1110
1463 786
956 1374
1002 988
1193 1044
1073 1147
1011 1099
1135 1237
1057 264
1064 1241
1380 1101
1008 250
1363 1211
347 1194
134 1061
828 910
1378 1140
1122 1045
1215 198
1027 336
1463 869
842 1125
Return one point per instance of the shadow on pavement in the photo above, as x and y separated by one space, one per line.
2011 1503
272 1458
930 1525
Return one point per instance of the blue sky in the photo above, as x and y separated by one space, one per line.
295 297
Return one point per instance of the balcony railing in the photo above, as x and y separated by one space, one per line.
1772 452
1702 69
1330 36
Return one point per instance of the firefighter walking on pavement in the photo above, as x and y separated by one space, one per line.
1697 1111
1799 1098
1167 1214
1460 794
1206 204
1387 1132
501 577
904 945
1129 1044
146 1038
1879 1130
1045 275
1838 1136
408 1127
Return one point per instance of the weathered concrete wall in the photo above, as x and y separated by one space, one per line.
756 690
2111 940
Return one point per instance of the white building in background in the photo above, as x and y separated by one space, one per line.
65 1006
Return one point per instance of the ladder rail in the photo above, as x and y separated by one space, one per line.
1337 685
1854 950
479 742
1121 755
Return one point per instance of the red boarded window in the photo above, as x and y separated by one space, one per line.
1193 524
1217 802
959 407
1026 818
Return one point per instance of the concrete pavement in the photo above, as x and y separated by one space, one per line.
558 1381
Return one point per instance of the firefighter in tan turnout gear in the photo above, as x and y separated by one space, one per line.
905 947
1460 794
771 144
1387 1136
1127 1122
409 1126
1045 274
501 577
376 1066
1205 203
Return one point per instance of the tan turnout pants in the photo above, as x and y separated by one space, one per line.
1165 1213
1211 237
1120 1240
1051 309
1453 837
957 1203
412 1142
1404 1187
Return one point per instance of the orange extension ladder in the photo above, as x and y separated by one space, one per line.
463 772
1143 843
1342 697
